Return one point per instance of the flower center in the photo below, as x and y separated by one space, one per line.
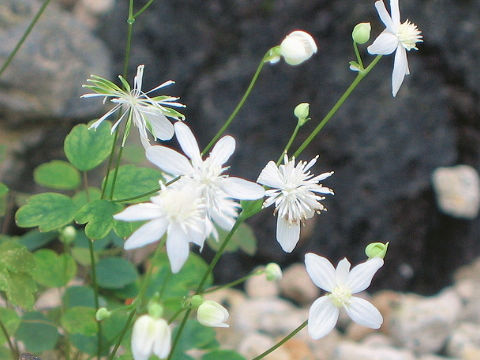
408 35
180 205
340 296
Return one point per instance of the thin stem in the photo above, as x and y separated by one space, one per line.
122 334
24 36
147 193
85 185
115 173
233 283
281 342
179 332
239 105
290 141
130 21
110 160
357 54
337 105
95 289
142 10
10 345
174 316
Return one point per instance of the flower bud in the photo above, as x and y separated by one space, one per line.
212 314
273 272
302 111
150 337
102 314
361 33
196 300
155 310
297 47
67 235
376 250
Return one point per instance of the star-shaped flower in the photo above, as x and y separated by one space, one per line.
178 211
217 188
396 37
341 284
147 113
294 193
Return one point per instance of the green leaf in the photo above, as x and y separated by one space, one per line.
115 273
54 270
3 198
82 241
195 336
114 324
125 228
57 174
86 149
223 354
3 189
133 181
99 215
243 238
37 332
81 198
79 296
80 320
16 258
35 239
10 320
82 256
48 211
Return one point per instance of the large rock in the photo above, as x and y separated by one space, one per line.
44 81
349 351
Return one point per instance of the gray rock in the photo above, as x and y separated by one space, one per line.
464 337
422 324
45 79
297 285
349 351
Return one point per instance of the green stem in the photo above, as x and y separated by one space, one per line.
174 316
357 54
290 141
147 193
130 21
95 290
122 334
337 105
115 172
281 342
10 345
142 10
110 160
233 283
239 105
180 330
24 36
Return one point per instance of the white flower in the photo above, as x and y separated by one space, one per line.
178 211
341 283
217 188
147 113
293 192
297 47
212 314
150 336
396 37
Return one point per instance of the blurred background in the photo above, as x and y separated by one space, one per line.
383 150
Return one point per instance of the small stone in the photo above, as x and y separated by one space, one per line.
297 285
471 354
465 336
349 351
259 286
253 344
435 357
377 339
297 349
458 191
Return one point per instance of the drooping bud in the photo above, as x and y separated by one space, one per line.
150 337
297 47
273 272
361 33
67 235
102 314
376 250
212 314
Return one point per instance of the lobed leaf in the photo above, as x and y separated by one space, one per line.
58 175
52 269
99 217
37 332
115 273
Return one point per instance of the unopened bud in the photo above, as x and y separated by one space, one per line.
155 310
196 300
273 272
212 314
376 250
102 314
302 111
67 235
361 33
297 47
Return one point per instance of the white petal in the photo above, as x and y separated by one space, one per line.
146 234
187 142
395 11
169 160
221 217
341 272
162 128
142 338
384 44
139 212
137 81
361 275
322 317
242 189
287 234
270 176
364 313
162 344
222 150
177 248
321 271
400 69
384 16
